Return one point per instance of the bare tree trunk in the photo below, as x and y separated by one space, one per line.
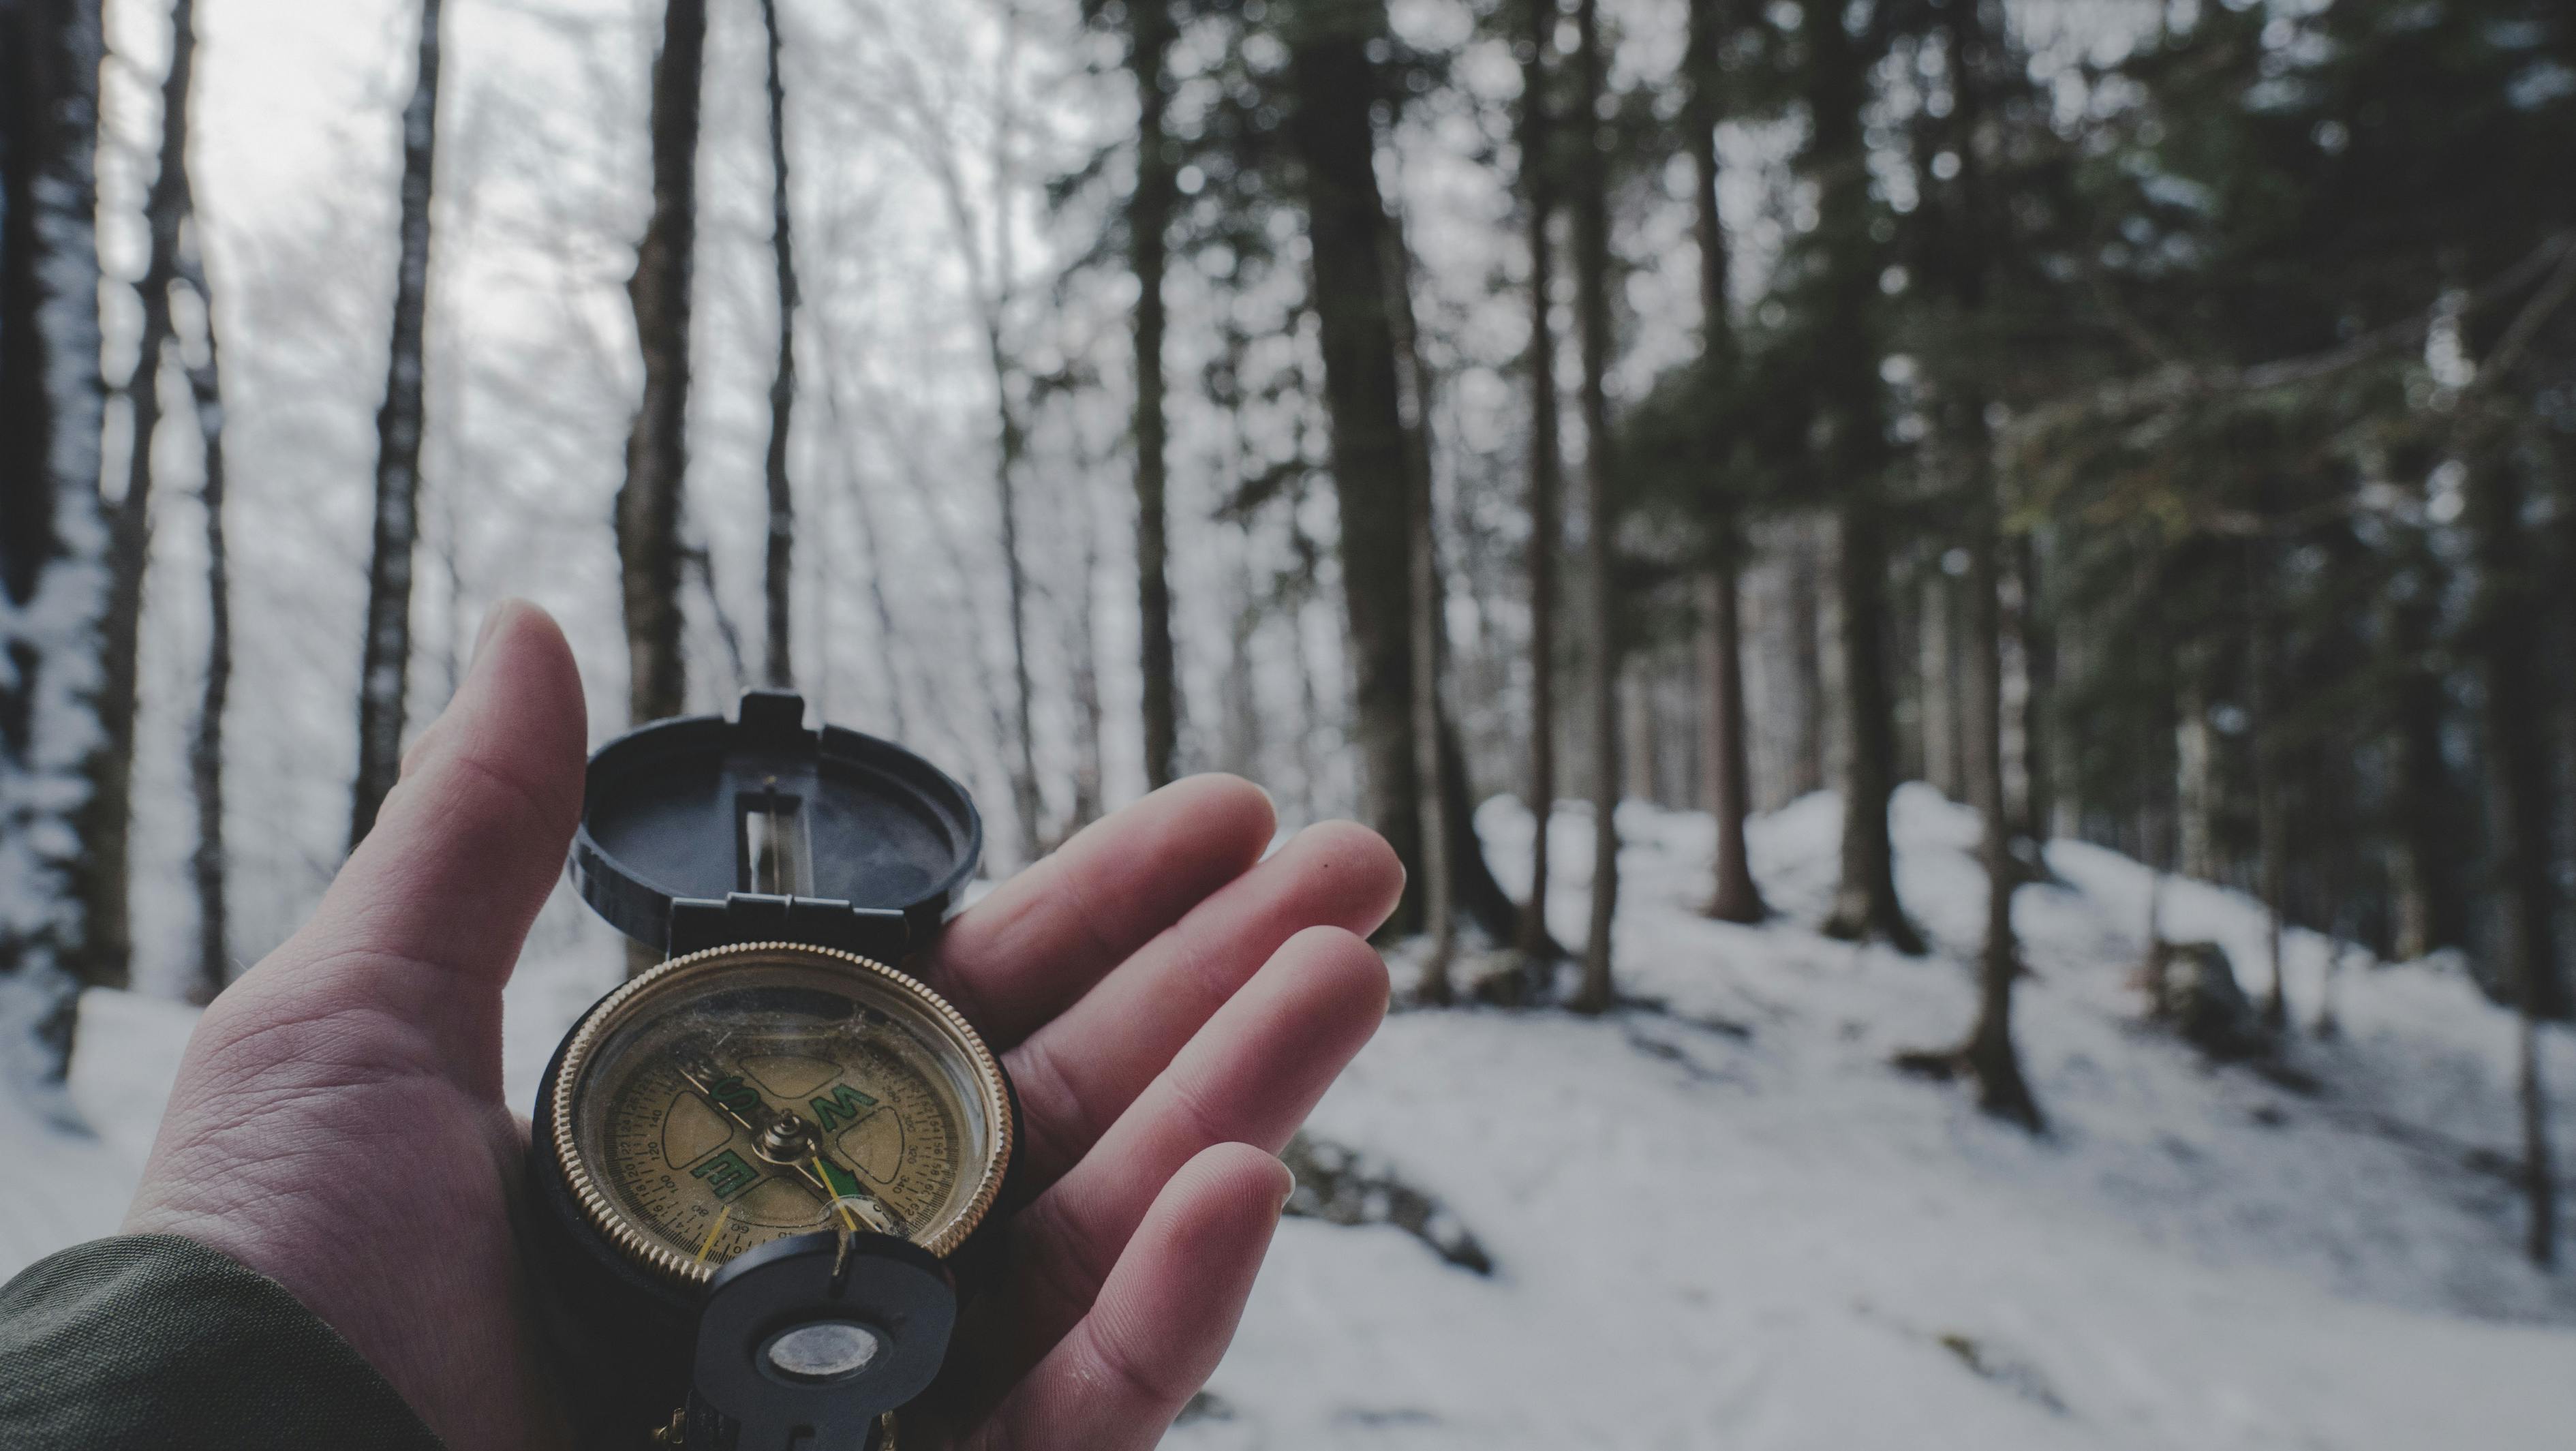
1851 411
1441 919
1083 649
657 447
107 829
1538 200
384 673
1865 902
1806 658
1025 800
53 543
2506 636
1591 208
1734 896
208 864
2038 639
1945 746
1149 221
2196 770
2421 871
1989 1053
1424 624
778 576
2271 812
1332 129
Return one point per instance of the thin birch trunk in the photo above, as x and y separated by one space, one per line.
1538 201
649 504
778 575
1592 315
384 671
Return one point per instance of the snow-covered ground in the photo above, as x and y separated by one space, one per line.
1725 1222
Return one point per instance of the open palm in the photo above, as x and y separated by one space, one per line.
1169 1004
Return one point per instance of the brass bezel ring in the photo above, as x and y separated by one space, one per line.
611 1011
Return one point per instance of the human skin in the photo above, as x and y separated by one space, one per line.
1169 1002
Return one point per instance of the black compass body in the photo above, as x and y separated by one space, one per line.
761 1171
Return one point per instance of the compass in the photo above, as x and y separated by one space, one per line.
761 1171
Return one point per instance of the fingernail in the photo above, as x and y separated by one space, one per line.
483 636
1288 1190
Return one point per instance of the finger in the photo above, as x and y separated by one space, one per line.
425 920
1045 936
1164 1317
1077 1074
1251 1076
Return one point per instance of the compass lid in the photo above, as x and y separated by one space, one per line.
700 831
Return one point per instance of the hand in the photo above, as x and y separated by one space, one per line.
1169 1005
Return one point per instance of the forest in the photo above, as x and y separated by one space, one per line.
2150 423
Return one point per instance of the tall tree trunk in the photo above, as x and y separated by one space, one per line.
1538 201
2271 810
1851 413
649 553
1591 209
106 832
2196 769
1989 1053
208 864
2506 635
2038 640
53 543
2421 869
1733 897
384 673
1805 624
1945 744
1026 801
1331 128
778 575
1083 651
1439 914
1149 222
1423 625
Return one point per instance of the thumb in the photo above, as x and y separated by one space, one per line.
425 921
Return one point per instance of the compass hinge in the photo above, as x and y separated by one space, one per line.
700 923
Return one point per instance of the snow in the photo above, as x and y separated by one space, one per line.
1721 1220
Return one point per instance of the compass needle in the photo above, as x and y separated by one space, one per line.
713 1230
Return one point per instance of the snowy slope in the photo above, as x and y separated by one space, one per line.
1757 1236
1724 1222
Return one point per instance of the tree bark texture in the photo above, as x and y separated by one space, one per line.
1423 624
208 863
1733 896
53 542
2423 864
2505 636
1546 461
384 670
2196 770
1806 660
1591 217
778 574
107 829
1149 223
1331 128
657 446
1851 414
2271 810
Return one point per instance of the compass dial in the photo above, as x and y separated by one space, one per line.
738 1096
